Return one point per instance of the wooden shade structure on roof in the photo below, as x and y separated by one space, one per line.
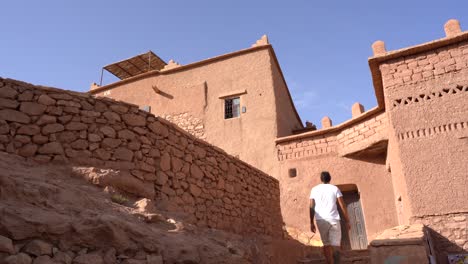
136 65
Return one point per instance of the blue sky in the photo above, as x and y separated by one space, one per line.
322 46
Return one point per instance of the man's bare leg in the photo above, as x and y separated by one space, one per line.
328 253
336 254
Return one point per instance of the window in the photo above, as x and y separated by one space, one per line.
231 107
146 108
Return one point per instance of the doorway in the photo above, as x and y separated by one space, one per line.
356 238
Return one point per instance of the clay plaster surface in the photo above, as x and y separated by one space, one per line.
197 91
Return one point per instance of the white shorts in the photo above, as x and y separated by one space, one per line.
330 233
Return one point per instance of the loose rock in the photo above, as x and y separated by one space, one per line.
38 248
6 245
21 258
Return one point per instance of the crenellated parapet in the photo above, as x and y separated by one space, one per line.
366 131
378 48
442 58
262 41
452 28
326 122
424 92
357 109
171 65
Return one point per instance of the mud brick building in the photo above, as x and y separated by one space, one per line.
405 161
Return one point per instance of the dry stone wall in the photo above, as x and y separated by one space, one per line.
189 123
156 159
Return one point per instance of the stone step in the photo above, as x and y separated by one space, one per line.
347 257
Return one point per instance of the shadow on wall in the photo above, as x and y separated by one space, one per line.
414 244
285 250
274 250
439 245
376 154
263 249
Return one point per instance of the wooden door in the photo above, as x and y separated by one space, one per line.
356 238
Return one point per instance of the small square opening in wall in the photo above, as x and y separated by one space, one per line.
292 172
231 107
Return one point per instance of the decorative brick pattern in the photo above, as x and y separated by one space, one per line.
431 131
158 159
350 139
424 66
317 146
429 96
362 131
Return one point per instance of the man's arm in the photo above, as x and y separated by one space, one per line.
344 210
312 215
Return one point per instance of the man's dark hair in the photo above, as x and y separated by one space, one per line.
325 177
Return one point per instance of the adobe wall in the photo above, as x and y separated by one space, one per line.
348 138
180 103
195 97
284 107
400 244
156 159
367 133
426 96
316 151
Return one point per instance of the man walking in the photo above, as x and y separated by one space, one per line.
323 199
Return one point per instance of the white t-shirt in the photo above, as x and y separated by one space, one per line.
325 196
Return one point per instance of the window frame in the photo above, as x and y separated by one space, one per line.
232 99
